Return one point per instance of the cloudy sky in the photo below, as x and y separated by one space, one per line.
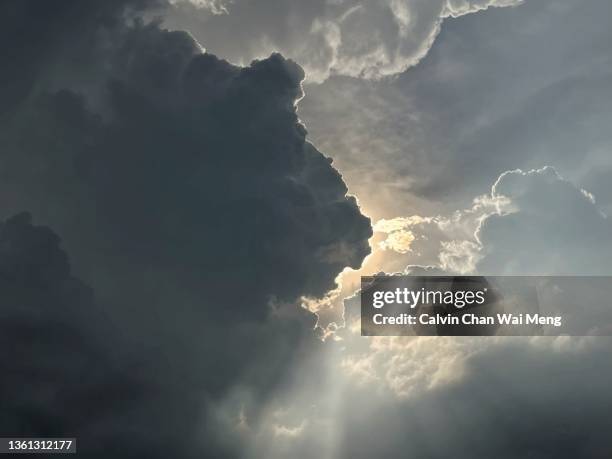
190 191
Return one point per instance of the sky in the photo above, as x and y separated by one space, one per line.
190 191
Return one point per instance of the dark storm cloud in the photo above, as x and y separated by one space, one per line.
65 370
194 148
186 193
34 34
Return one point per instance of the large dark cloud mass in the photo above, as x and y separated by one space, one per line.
188 198
65 370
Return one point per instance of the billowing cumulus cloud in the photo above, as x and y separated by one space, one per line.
366 39
455 396
550 227
68 373
531 223
481 397
186 157
428 395
188 198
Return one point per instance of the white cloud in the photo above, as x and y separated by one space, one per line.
531 222
367 39
213 6
553 227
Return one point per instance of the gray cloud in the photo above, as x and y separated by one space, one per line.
531 223
365 39
474 397
505 88
189 199
188 148
551 227
66 370
481 397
